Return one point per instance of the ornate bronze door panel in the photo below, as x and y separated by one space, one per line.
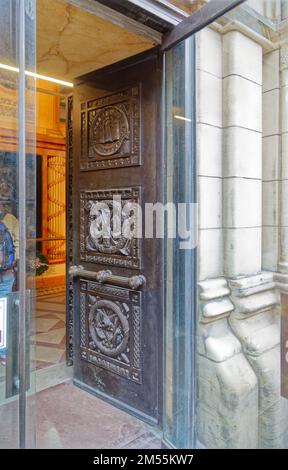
118 294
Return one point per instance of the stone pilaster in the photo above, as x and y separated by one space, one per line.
268 8
239 305
227 386
283 219
255 318
209 152
281 276
227 392
284 9
255 321
271 160
242 109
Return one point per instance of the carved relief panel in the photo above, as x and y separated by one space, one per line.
110 131
99 241
110 328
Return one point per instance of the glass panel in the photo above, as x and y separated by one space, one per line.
17 209
180 253
240 365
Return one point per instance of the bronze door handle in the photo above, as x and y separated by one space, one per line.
106 276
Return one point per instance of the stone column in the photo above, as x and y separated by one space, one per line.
275 166
209 152
281 277
227 386
283 131
267 8
284 9
270 158
227 405
255 318
242 80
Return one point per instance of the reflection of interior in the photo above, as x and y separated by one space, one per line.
50 217
50 225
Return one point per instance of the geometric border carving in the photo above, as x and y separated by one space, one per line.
110 130
126 301
69 233
126 259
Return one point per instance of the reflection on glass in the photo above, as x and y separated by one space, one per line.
240 90
180 263
240 366
14 405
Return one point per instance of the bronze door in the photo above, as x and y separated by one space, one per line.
118 288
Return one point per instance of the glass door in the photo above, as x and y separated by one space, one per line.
17 225
226 315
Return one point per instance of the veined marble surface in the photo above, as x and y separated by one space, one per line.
72 42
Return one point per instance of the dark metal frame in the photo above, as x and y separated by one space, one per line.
22 225
69 230
197 21
180 67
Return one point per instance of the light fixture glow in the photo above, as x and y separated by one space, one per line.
182 118
37 75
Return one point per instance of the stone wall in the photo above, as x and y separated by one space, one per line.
242 120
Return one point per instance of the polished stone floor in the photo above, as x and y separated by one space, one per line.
66 417
49 331
69 418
